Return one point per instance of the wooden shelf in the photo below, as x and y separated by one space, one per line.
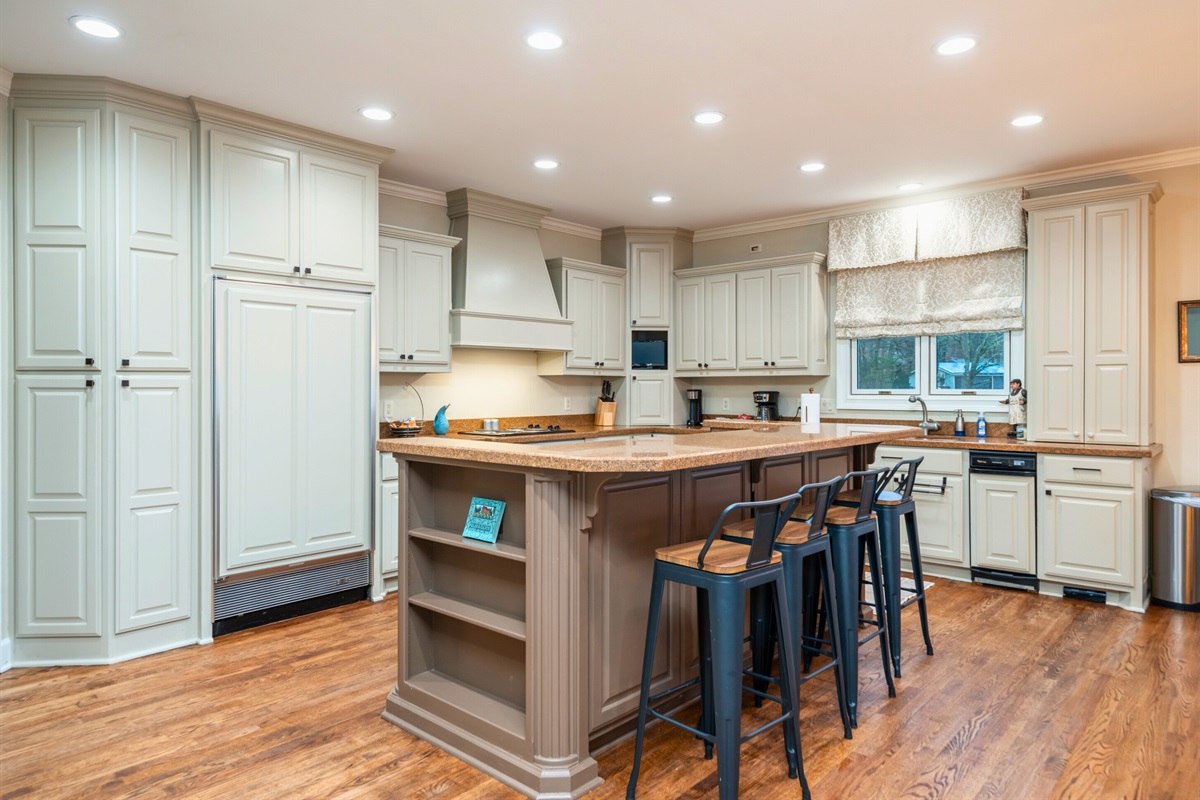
456 539
479 704
471 613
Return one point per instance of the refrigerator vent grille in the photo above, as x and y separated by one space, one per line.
256 594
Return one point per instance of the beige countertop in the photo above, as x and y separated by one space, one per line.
1004 443
646 449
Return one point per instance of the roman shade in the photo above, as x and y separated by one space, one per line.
938 268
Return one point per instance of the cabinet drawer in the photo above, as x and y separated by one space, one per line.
1091 470
943 462
389 470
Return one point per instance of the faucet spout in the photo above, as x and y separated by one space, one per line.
925 425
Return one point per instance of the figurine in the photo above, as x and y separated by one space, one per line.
1016 401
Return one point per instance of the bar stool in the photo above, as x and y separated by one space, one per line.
722 572
853 533
806 550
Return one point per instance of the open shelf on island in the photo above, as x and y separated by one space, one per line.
456 539
471 613
440 497
458 695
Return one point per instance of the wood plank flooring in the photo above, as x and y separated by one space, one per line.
1027 697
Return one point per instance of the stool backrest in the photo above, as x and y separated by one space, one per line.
870 482
905 474
823 499
769 518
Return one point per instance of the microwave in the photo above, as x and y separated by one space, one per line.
648 350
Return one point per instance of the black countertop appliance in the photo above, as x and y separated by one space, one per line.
767 405
695 410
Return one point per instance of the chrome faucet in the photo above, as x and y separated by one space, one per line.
925 425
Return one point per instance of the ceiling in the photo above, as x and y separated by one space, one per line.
853 83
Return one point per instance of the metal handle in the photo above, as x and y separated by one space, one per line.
89 383
124 362
929 488
125 384
87 362
410 357
1087 469
296 270
308 270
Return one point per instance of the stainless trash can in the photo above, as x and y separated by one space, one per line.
1175 547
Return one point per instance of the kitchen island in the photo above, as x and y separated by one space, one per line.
523 656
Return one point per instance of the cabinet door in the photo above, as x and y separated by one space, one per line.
650 401
688 331
791 318
1087 534
611 333
57 548
155 534
650 285
1112 338
254 196
1054 323
391 318
582 290
340 219
1002 523
720 322
389 526
427 303
154 250
57 219
754 319
941 522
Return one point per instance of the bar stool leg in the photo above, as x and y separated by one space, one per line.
889 582
788 686
656 595
726 604
845 557
910 524
825 566
885 651
704 637
762 638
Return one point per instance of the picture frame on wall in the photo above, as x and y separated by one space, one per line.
1189 331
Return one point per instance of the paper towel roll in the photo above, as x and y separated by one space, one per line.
810 408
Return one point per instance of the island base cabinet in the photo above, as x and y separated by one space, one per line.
940 494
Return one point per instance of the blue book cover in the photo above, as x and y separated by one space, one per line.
483 519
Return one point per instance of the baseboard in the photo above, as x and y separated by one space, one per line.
5 655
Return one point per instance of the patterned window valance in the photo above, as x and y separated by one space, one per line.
944 267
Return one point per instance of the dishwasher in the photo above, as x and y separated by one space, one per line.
1003 518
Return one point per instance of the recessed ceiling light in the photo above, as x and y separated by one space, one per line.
955 45
661 198
812 166
908 187
546 163
376 113
1026 120
544 40
94 26
707 117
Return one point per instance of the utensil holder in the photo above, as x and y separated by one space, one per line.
606 413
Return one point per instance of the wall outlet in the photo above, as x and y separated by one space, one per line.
724 403
389 409
566 404
756 248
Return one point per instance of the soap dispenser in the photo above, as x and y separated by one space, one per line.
960 425
981 426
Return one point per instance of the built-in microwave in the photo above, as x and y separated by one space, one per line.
648 350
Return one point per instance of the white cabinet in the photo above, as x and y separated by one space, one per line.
1002 523
154 244
155 548
57 231
1091 518
1088 316
592 296
295 438
650 284
941 506
57 558
277 209
650 398
387 514
705 328
414 300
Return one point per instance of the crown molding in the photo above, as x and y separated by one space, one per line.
588 266
572 228
1035 180
765 263
6 79
99 89
638 234
413 235
1151 189
474 203
407 191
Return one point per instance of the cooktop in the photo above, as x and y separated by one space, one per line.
536 429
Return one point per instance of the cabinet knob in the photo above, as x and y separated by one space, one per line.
89 383
1047 493
634 322
602 363
410 356
308 270
296 270
635 377
1091 435
772 363
89 362
124 362
1075 434
125 384
766 363
595 363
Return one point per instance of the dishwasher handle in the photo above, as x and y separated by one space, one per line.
1016 473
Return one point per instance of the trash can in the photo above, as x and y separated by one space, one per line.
1175 547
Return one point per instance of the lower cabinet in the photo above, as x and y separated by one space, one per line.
650 398
387 518
941 499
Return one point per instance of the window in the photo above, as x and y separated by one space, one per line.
968 370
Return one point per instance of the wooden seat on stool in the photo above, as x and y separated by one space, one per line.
723 572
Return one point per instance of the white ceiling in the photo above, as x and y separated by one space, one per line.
853 83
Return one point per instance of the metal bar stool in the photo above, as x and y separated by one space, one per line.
806 553
722 573
853 533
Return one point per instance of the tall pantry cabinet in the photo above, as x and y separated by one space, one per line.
105 552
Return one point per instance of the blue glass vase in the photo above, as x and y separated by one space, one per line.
441 425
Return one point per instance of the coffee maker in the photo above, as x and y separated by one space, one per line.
768 405
695 412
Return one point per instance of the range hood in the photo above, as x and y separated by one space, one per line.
501 291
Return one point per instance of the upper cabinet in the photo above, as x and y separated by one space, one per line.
649 256
592 296
1088 316
705 327
414 300
285 200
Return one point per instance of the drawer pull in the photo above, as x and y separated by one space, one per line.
1087 469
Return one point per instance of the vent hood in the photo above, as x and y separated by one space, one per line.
501 291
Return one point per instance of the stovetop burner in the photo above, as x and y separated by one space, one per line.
529 431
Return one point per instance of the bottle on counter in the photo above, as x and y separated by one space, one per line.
981 426
960 425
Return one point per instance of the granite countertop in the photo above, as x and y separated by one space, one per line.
646 449
1006 444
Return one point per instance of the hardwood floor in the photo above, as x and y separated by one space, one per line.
1026 697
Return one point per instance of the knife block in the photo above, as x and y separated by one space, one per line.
606 414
